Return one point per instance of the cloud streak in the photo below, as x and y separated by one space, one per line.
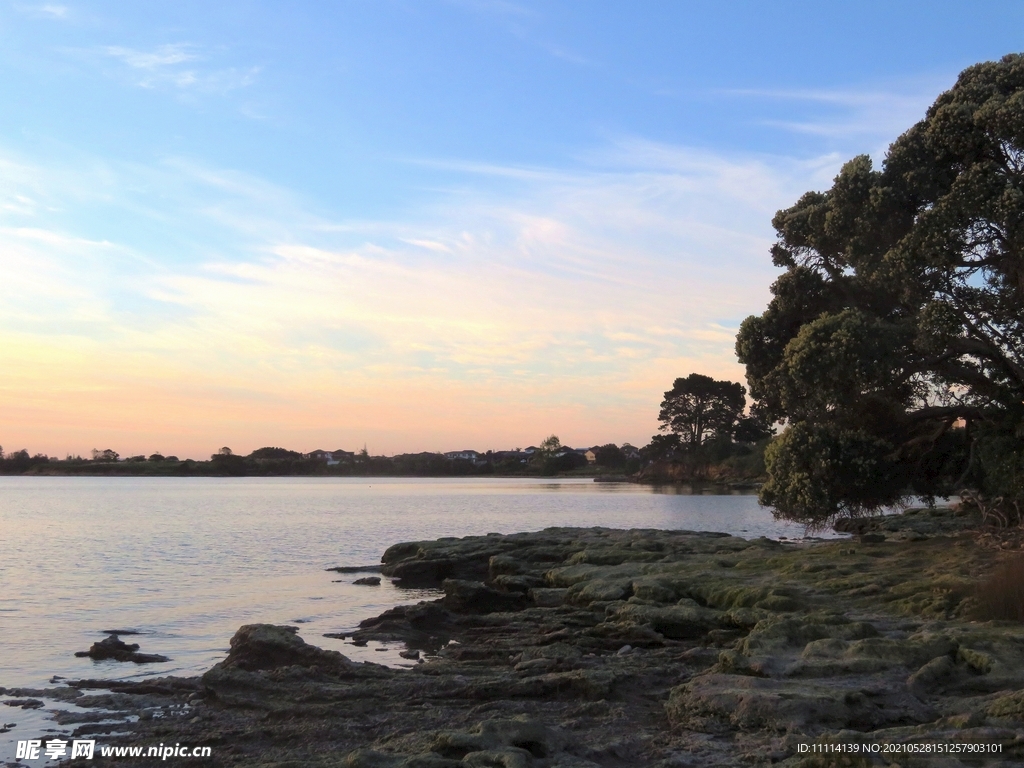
183 67
565 304
877 113
162 56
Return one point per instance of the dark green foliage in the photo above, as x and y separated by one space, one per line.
19 462
228 464
274 453
698 408
751 429
821 466
662 448
610 456
708 436
894 343
567 462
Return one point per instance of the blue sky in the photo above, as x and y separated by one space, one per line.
416 225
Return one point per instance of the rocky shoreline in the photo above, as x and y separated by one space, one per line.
576 648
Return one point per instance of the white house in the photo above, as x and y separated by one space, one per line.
463 455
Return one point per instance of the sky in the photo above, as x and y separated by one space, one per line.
417 225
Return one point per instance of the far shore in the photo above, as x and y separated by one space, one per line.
658 473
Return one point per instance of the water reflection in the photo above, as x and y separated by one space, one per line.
188 560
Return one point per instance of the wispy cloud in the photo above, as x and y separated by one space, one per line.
567 303
162 56
183 66
560 52
45 11
878 114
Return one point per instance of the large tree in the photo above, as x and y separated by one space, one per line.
699 408
894 345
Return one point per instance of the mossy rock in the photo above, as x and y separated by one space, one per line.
753 703
613 556
978 662
686 620
775 634
911 652
1009 706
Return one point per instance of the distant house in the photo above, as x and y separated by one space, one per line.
331 457
519 456
591 454
463 455
630 451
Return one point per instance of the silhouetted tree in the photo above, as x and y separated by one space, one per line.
900 317
698 408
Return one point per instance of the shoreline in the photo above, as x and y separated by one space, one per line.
601 647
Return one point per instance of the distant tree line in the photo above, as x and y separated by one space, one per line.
550 459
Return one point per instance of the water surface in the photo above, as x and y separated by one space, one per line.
186 561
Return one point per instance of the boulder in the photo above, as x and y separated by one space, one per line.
530 736
718 701
687 620
112 647
420 573
548 597
256 647
476 597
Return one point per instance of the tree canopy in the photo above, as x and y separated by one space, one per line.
699 408
893 346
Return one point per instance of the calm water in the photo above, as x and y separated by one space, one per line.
186 561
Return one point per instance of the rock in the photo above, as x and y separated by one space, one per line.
267 646
368 581
935 673
537 666
781 632
114 648
750 648
430 563
409 654
475 597
420 573
517 583
367 758
356 569
24 703
547 597
500 565
624 650
683 621
715 700
425 626
531 737
871 538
